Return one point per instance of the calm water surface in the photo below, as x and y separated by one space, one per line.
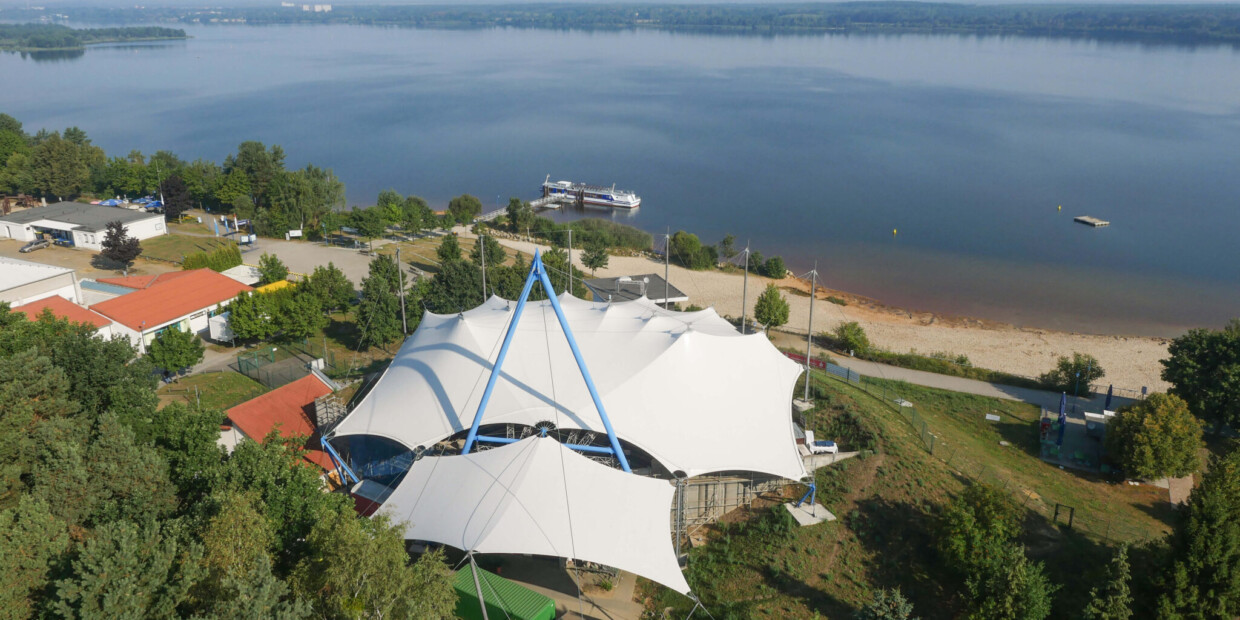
814 147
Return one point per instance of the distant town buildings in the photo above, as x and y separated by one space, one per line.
317 8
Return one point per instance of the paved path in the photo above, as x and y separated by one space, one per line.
1041 398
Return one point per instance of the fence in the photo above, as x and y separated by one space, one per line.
846 374
1094 523
272 366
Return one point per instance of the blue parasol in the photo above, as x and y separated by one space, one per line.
1063 417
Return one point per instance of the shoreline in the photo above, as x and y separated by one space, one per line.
1131 362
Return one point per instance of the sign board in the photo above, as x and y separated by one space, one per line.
243 223
351 231
294 233
253 238
800 359
990 417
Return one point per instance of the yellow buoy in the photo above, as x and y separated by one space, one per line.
1061 207
893 232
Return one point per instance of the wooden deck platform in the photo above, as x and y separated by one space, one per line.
1090 220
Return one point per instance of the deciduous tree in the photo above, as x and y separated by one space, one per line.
1074 374
272 269
119 247
330 286
358 568
176 197
851 336
464 208
1204 369
378 313
520 215
1156 437
174 350
595 257
771 309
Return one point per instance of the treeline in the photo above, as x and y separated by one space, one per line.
54 36
1188 22
252 183
113 507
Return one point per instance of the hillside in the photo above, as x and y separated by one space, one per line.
887 499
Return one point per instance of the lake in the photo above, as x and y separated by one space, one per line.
815 147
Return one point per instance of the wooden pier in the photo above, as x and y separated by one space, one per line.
1090 220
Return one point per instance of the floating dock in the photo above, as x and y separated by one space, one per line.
1090 220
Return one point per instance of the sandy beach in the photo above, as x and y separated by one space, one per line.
1131 362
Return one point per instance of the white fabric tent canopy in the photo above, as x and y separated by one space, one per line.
683 386
538 497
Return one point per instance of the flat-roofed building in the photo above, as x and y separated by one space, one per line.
652 286
78 224
23 281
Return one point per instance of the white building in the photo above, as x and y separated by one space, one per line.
77 224
184 300
22 282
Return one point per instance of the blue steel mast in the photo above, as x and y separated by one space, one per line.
538 272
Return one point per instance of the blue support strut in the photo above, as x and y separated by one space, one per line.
581 364
340 464
537 271
503 353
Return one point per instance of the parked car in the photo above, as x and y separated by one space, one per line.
37 244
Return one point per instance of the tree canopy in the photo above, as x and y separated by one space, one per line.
1156 437
1203 368
771 309
174 350
119 247
1074 375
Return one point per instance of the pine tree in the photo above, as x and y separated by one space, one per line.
1204 577
887 605
32 543
1114 602
128 573
449 249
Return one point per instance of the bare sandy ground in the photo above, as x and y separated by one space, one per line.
1130 361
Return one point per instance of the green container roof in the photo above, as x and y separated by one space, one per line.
502 596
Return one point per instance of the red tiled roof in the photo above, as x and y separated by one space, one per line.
64 309
288 408
141 282
170 299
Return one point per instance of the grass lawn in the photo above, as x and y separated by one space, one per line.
220 390
189 223
886 501
174 247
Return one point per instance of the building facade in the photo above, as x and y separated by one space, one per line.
78 225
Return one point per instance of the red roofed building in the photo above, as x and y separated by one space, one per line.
141 282
185 300
64 309
289 409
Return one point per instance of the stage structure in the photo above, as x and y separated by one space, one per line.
561 427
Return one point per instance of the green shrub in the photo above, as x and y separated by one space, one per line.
221 258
